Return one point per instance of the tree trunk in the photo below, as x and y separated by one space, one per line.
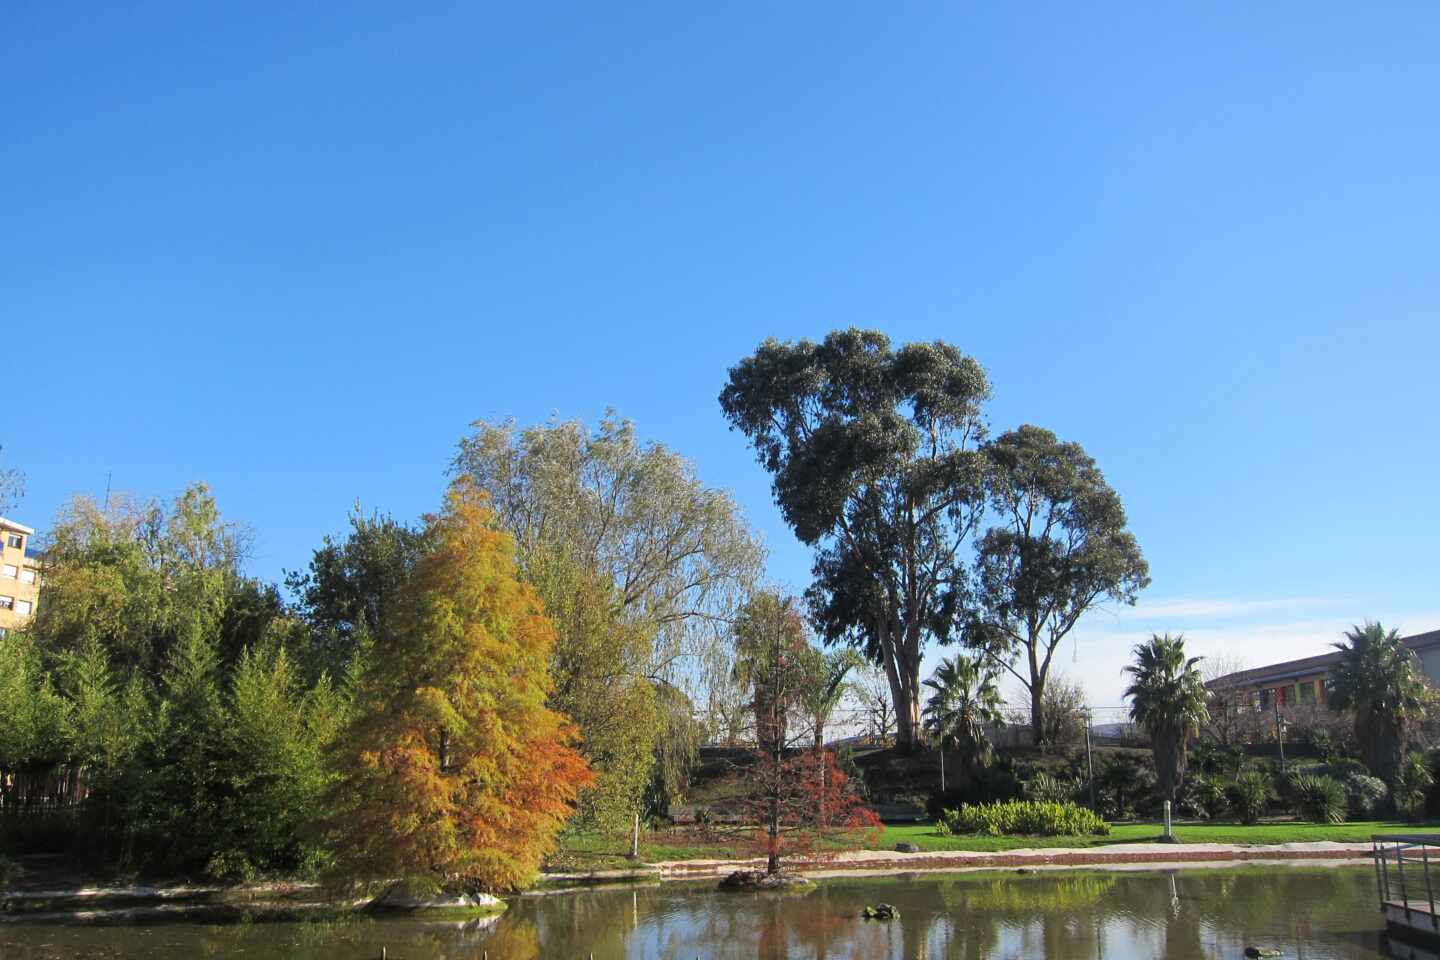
772 863
1037 714
820 769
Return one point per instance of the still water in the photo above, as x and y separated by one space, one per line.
1303 911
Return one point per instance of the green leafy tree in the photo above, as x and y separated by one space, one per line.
871 453
1168 698
175 814
1379 680
678 552
33 715
598 666
273 757
105 728
139 578
1060 547
350 585
677 556
965 701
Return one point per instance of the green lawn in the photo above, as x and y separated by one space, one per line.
598 852
925 837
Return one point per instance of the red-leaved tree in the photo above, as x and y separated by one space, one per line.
796 795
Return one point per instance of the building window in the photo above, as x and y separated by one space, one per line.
27 576
9 571
7 603
23 608
1307 693
1266 698
15 540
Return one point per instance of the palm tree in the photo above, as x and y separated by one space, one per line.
827 688
1168 698
966 698
1379 678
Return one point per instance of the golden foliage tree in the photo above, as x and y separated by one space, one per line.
454 772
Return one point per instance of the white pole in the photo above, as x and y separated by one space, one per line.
1167 820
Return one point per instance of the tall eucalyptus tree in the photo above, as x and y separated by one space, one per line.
872 456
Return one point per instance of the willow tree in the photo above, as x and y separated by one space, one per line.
872 459
454 771
673 557
1379 679
1168 698
1059 545
678 552
598 667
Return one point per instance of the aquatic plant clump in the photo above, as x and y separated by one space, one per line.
1041 818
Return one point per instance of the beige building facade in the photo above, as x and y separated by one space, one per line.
19 575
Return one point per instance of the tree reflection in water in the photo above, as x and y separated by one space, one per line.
1306 911
1072 914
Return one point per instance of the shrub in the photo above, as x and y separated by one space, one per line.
1366 794
1415 778
1250 794
1203 797
1024 818
1318 798
1125 782
1343 768
1049 789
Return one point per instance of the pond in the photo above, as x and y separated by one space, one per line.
1309 911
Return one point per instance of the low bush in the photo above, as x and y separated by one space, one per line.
1250 795
1203 797
1319 798
1342 768
1125 782
1366 794
1048 789
1024 818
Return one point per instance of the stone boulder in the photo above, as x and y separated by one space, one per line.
760 880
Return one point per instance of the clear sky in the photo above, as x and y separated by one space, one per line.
294 249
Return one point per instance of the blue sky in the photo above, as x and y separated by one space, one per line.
293 250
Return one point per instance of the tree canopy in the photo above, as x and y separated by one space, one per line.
1059 545
678 552
872 456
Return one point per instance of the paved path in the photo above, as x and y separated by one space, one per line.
1114 856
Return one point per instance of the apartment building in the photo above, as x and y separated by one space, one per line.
1297 683
19 575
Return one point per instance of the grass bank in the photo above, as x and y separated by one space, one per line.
585 852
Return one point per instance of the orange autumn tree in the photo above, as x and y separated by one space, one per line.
454 773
